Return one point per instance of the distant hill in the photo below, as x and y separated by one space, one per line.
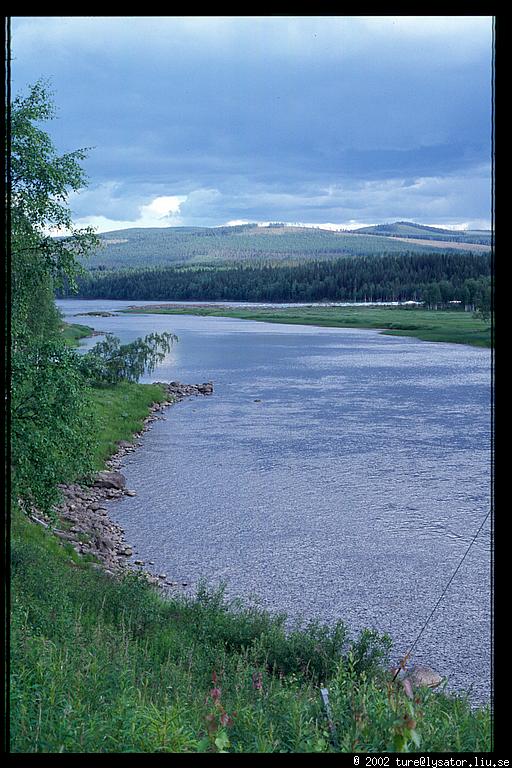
407 229
276 243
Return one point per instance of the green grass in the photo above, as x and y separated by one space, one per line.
120 411
103 665
73 332
452 326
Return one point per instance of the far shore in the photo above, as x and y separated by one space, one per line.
451 326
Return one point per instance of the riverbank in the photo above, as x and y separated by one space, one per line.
107 663
72 333
81 519
453 326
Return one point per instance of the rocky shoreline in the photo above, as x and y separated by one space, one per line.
82 519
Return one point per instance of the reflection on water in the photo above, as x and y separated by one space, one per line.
334 473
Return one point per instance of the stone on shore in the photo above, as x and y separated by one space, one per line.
106 479
421 675
91 531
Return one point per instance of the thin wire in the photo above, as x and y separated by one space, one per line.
434 609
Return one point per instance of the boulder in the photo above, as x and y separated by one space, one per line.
106 479
104 544
420 676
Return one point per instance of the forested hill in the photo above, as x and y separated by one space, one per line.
432 278
413 231
199 245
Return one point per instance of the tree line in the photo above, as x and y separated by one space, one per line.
432 278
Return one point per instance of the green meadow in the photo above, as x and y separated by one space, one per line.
454 326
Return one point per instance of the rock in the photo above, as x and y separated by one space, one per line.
110 480
64 535
104 544
422 676
82 507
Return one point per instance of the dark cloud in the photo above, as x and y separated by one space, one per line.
258 117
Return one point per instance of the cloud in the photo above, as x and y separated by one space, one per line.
255 117
254 37
163 208
449 200
162 211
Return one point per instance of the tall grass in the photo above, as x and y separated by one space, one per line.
99 665
119 412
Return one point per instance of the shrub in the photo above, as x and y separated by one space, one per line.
52 423
110 362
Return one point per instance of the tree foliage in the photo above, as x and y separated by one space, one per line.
51 426
434 278
40 181
52 423
110 362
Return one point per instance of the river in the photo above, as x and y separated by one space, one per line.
334 474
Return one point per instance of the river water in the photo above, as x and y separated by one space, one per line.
334 474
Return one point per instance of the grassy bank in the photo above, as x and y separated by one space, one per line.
120 411
73 332
99 665
452 326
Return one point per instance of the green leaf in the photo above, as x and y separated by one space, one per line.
416 737
222 741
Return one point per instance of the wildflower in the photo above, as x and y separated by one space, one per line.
226 720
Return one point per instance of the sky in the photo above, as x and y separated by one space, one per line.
332 121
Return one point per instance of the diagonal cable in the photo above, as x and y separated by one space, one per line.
434 609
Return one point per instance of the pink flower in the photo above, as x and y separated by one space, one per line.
225 719
215 693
